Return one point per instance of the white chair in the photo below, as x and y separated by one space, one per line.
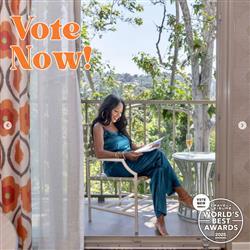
115 207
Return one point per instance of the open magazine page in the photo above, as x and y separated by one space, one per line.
150 147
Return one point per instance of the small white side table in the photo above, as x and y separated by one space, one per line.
198 170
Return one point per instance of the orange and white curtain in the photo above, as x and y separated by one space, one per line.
15 179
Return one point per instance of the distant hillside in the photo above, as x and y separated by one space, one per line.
145 81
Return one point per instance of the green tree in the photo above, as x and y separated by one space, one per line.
195 36
100 17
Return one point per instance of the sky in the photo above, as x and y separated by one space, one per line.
120 46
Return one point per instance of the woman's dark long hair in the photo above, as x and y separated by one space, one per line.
105 114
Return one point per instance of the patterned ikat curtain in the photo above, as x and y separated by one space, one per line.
15 180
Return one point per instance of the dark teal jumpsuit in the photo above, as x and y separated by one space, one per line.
153 164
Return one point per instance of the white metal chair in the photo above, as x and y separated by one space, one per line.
112 208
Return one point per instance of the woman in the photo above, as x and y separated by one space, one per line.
111 140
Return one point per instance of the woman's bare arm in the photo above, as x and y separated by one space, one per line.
99 143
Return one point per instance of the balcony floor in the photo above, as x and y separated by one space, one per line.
104 223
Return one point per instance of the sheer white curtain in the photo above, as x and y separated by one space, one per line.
56 142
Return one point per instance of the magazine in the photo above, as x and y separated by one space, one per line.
150 147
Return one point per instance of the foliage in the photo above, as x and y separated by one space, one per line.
100 17
148 63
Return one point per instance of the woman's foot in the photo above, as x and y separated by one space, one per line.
160 226
184 197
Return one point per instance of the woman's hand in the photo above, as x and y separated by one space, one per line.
132 155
